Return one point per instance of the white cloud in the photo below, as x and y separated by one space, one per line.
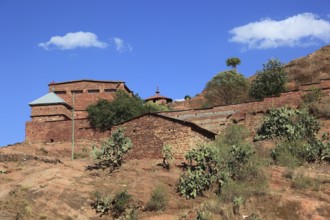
121 45
297 31
72 41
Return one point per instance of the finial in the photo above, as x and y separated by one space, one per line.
157 91
52 86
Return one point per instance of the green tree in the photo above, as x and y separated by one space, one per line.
187 97
104 114
270 81
233 62
154 107
126 107
227 87
100 115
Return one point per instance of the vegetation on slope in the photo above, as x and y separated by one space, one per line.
270 81
231 87
227 87
298 131
111 153
228 160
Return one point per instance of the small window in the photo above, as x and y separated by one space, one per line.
76 91
93 91
60 92
109 90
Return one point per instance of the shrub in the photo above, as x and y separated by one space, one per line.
294 153
120 206
239 157
194 183
112 151
300 181
218 163
291 124
270 81
120 203
203 214
158 200
298 129
287 153
237 202
256 186
226 88
102 203
313 96
288 173
43 151
234 134
167 156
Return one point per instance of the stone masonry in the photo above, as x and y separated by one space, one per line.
53 122
181 129
150 132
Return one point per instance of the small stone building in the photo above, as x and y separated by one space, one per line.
159 99
150 132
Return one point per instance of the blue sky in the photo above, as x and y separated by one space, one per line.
177 45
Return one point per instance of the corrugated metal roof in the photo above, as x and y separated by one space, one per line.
50 98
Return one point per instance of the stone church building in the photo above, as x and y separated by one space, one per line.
52 118
51 114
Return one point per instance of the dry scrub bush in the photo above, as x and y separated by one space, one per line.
158 200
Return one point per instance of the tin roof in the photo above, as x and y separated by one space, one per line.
49 98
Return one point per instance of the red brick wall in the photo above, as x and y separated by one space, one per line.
150 133
217 118
49 110
82 100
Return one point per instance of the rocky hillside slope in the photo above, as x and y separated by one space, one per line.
38 187
310 68
304 70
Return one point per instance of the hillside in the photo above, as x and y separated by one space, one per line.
40 181
310 68
304 70
37 189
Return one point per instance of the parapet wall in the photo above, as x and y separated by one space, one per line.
217 118
86 92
